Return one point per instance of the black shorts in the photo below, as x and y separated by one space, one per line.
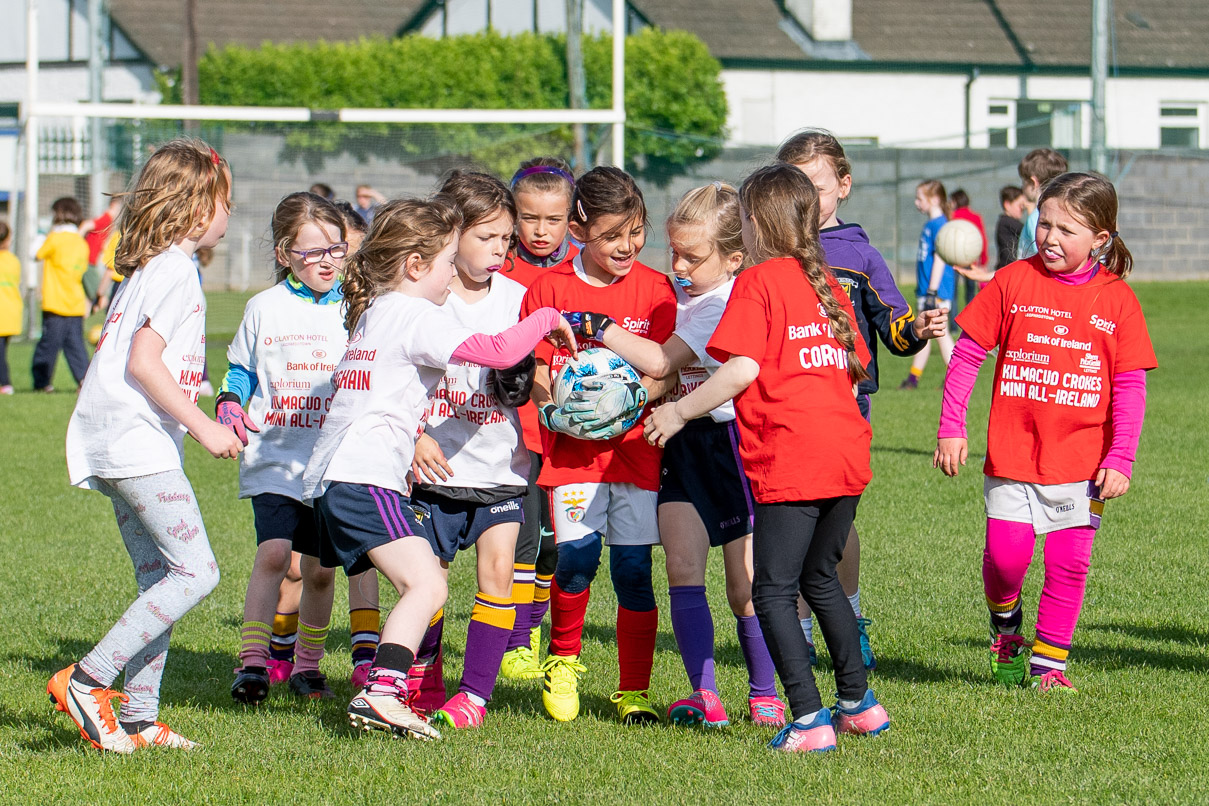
355 518
279 517
452 526
701 466
864 403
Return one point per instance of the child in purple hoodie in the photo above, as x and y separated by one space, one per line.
879 307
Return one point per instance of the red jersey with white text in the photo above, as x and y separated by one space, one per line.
525 273
1059 348
802 436
642 302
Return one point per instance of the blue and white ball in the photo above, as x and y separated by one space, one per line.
596 363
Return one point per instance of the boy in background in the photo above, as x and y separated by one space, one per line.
64 256
1038 167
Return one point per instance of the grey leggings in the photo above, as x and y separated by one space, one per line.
174 568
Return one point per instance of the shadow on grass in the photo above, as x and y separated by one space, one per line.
1109 657
908 451
1181 635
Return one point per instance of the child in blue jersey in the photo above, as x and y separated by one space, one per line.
936 281
878 303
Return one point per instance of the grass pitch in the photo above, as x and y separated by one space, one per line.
1136 732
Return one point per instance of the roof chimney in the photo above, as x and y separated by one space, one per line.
823 20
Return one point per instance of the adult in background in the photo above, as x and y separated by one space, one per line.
367 202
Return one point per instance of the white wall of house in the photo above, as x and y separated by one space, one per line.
69 82
927 110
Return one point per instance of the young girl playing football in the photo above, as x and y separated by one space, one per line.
281 362
363 610
792 359
401 340
126 439
1066 415
602 490
704 495
470 461
936 282
877 302
541 189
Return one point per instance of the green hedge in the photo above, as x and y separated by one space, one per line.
674 97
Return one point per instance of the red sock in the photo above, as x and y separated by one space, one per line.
636 632
567 612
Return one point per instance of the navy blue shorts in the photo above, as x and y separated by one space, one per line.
453 526
701 466
355 518
864 403
279 517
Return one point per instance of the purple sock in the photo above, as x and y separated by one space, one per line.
491 623
761 675
520 633
694 629
430 644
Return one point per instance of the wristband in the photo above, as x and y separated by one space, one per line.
589 325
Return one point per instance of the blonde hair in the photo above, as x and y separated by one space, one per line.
400 228
1093 200
785 207
294 211
178 190
715 208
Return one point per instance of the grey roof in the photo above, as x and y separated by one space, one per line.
1156 35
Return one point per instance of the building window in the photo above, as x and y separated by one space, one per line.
1180 126
997 137
1049 124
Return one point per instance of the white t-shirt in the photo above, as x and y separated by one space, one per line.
696 320
116 432
480 438
291 344
395 358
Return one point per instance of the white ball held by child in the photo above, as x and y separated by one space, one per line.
603 379
959 243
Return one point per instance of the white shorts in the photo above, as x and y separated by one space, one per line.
1047 507
942 304
624 513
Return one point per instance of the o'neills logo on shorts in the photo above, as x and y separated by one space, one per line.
1027 357
507 506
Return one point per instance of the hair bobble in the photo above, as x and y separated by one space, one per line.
217 160
717 185
540 169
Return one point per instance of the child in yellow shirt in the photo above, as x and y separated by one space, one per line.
64 256
10 303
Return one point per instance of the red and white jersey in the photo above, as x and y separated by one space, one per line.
115 431
480 438
696 320
802 436
292 345
396 356
1060 346
643 303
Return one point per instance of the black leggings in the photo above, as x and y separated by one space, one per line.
796 547
535 543
5 378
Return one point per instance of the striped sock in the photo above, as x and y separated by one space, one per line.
430 644
254 644
285 633
917 372
522 597
363 626
541 598
491 623
1006 617
310 647
1047 657
388 677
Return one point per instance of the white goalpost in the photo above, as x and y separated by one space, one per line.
40 117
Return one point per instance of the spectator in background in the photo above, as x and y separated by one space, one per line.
1009 225
64 256
367 202
320 189
961 209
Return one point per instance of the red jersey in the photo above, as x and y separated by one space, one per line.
1059 348
643 303
526 273
802 436
97 237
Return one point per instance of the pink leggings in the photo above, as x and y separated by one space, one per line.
1009 550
